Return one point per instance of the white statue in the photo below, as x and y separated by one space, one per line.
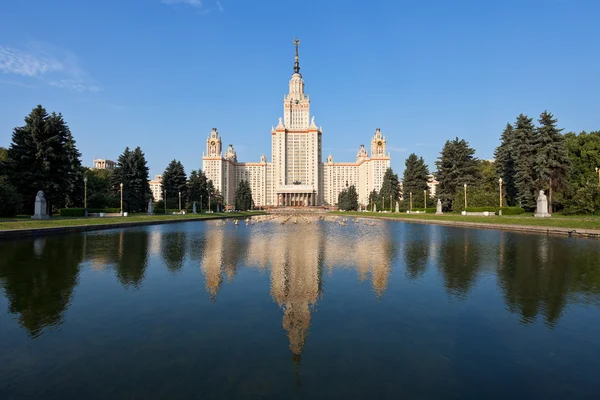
40 207
150 207
280 122
542 206
194 208
438 209
312 121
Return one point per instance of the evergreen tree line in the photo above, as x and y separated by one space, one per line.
195 188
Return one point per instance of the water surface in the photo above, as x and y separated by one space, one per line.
299 311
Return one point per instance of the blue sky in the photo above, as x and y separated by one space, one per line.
161 74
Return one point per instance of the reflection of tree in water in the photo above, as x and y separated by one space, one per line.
538 273
173 249
459 262
133 257
38 277
416 253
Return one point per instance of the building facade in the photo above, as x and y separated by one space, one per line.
101 163
156 187
296 174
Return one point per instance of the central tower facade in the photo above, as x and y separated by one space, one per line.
296 175
296 148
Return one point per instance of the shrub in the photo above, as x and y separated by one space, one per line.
10 202
505 210
429 210
72 212
104 210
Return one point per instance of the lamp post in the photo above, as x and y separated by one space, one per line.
165 201
391 203
424 200
410 201
85 192
500 184
465 197
598 172
200 204
209 201
121 185
179 201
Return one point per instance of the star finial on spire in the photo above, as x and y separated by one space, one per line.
296 62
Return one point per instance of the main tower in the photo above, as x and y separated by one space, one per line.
296 148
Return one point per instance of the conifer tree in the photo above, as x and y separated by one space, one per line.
526 181
132 172
348 199
197 187
456 166
390 188
552 164
243 196
43 156
414 180
174 180
505 164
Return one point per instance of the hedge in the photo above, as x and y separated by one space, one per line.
72 212
80 212
505 210
427 210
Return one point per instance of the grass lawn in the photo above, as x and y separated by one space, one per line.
56 222
557 220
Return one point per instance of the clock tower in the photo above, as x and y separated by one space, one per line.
213 144
378 144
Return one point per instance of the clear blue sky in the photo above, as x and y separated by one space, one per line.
161 74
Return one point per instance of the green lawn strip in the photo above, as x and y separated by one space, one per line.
572 222
58 222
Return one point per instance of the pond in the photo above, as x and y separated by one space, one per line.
317 310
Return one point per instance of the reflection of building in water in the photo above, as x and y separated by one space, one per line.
296 255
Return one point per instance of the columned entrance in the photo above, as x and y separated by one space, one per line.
298 199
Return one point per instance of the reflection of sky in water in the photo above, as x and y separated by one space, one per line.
267 309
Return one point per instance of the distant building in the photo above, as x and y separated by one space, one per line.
156 187
432 185
101 163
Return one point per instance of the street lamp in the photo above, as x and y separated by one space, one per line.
410 201
500 183
424 200
121 185
200 204
85 192
165 201
465 197
390 203
179 201
598 172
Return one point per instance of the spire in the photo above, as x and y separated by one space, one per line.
296 62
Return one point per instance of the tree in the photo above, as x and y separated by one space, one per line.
373 199
43 156
505 164
414 180
132 172
174 181
456 166
552 165
99 193
390 188
243 196
348 199
197 187
525 160
584 154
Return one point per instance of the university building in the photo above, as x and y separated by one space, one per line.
296 174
